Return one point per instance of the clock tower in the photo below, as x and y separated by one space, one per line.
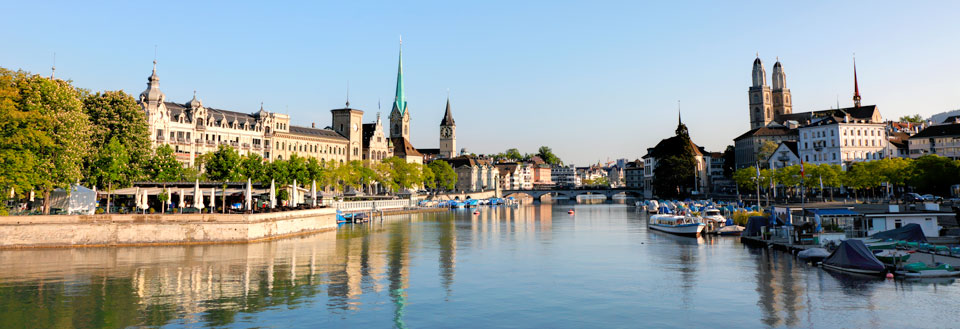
347 123
448 134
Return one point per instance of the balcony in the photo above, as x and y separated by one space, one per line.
160 138
267 147
246 146
256 147
211 142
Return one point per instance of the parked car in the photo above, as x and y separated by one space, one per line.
912 197
931 197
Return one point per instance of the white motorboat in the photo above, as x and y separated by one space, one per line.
653 207
681 225
713 220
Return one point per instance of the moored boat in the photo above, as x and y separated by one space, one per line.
891 256
853 256
713 220
653 207
813 255
730 230
921 270
681 225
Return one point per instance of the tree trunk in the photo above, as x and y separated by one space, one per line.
46 202
224 198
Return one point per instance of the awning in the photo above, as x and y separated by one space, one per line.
834 212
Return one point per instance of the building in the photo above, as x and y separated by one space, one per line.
564 176
842 140
376 146
768 105
193 129
615 176
747 145
942 140
785 155
701 171
475 174
633 174
515 176
448 134
400 122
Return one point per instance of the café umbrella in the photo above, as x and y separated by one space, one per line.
313 190
181 204
249 195
293 195
273 194
213 199
197 196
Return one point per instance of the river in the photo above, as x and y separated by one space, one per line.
528 267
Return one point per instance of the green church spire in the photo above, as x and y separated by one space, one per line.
400 100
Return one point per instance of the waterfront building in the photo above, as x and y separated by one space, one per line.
564 176
475 174
701 172
633 174
615 176
193 129
376 145
542 173
842 140
942 140
515 176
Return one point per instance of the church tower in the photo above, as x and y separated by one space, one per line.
761 111
152 101
781 95
399 116
448 134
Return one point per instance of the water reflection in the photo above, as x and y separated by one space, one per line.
600 266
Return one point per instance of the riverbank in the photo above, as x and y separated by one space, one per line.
115 230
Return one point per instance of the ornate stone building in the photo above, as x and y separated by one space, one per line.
768 105
192 129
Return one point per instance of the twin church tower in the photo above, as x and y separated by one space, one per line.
768 104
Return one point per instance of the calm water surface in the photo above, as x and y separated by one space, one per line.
534 266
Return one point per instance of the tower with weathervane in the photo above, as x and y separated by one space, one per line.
448 134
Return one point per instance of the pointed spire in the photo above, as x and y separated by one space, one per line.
448 116
679 118
856 87
348 94
400 100
153 93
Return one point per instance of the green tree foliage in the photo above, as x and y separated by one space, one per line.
222 165
601 181
916 118
746 178
729 161
111 168
114 114
546 154
44 133
164 167
513 154
934 174
766 150
404 175
253 168
443 173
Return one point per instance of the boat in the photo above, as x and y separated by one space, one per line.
922 270
653 207
813 255
730 230
713 220
853 256
891 256
570 211
875 244
681 225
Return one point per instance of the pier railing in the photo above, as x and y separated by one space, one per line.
374 205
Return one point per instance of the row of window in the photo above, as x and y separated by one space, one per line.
847 156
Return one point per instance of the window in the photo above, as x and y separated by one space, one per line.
834 156
807 158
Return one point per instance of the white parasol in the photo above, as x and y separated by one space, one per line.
213 199
197 196
249 195
313 190
182 205
293 195
273 194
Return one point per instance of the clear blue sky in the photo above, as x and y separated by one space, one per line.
594 80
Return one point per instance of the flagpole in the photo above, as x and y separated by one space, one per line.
758 186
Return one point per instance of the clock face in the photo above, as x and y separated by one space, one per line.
445 132
355 127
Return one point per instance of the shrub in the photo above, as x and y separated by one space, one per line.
741 217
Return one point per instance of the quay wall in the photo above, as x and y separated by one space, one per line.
166 229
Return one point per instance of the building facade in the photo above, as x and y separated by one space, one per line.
942 140
842 141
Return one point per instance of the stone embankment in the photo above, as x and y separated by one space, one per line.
169 229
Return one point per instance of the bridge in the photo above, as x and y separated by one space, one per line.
573 193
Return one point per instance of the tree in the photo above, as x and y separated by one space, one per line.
766 150
443 173
916 118
44 133
221 166
164 167
404 175
546 154
111 168
253 168
512 154
429 178
934 174
746 178
729 161
114 114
